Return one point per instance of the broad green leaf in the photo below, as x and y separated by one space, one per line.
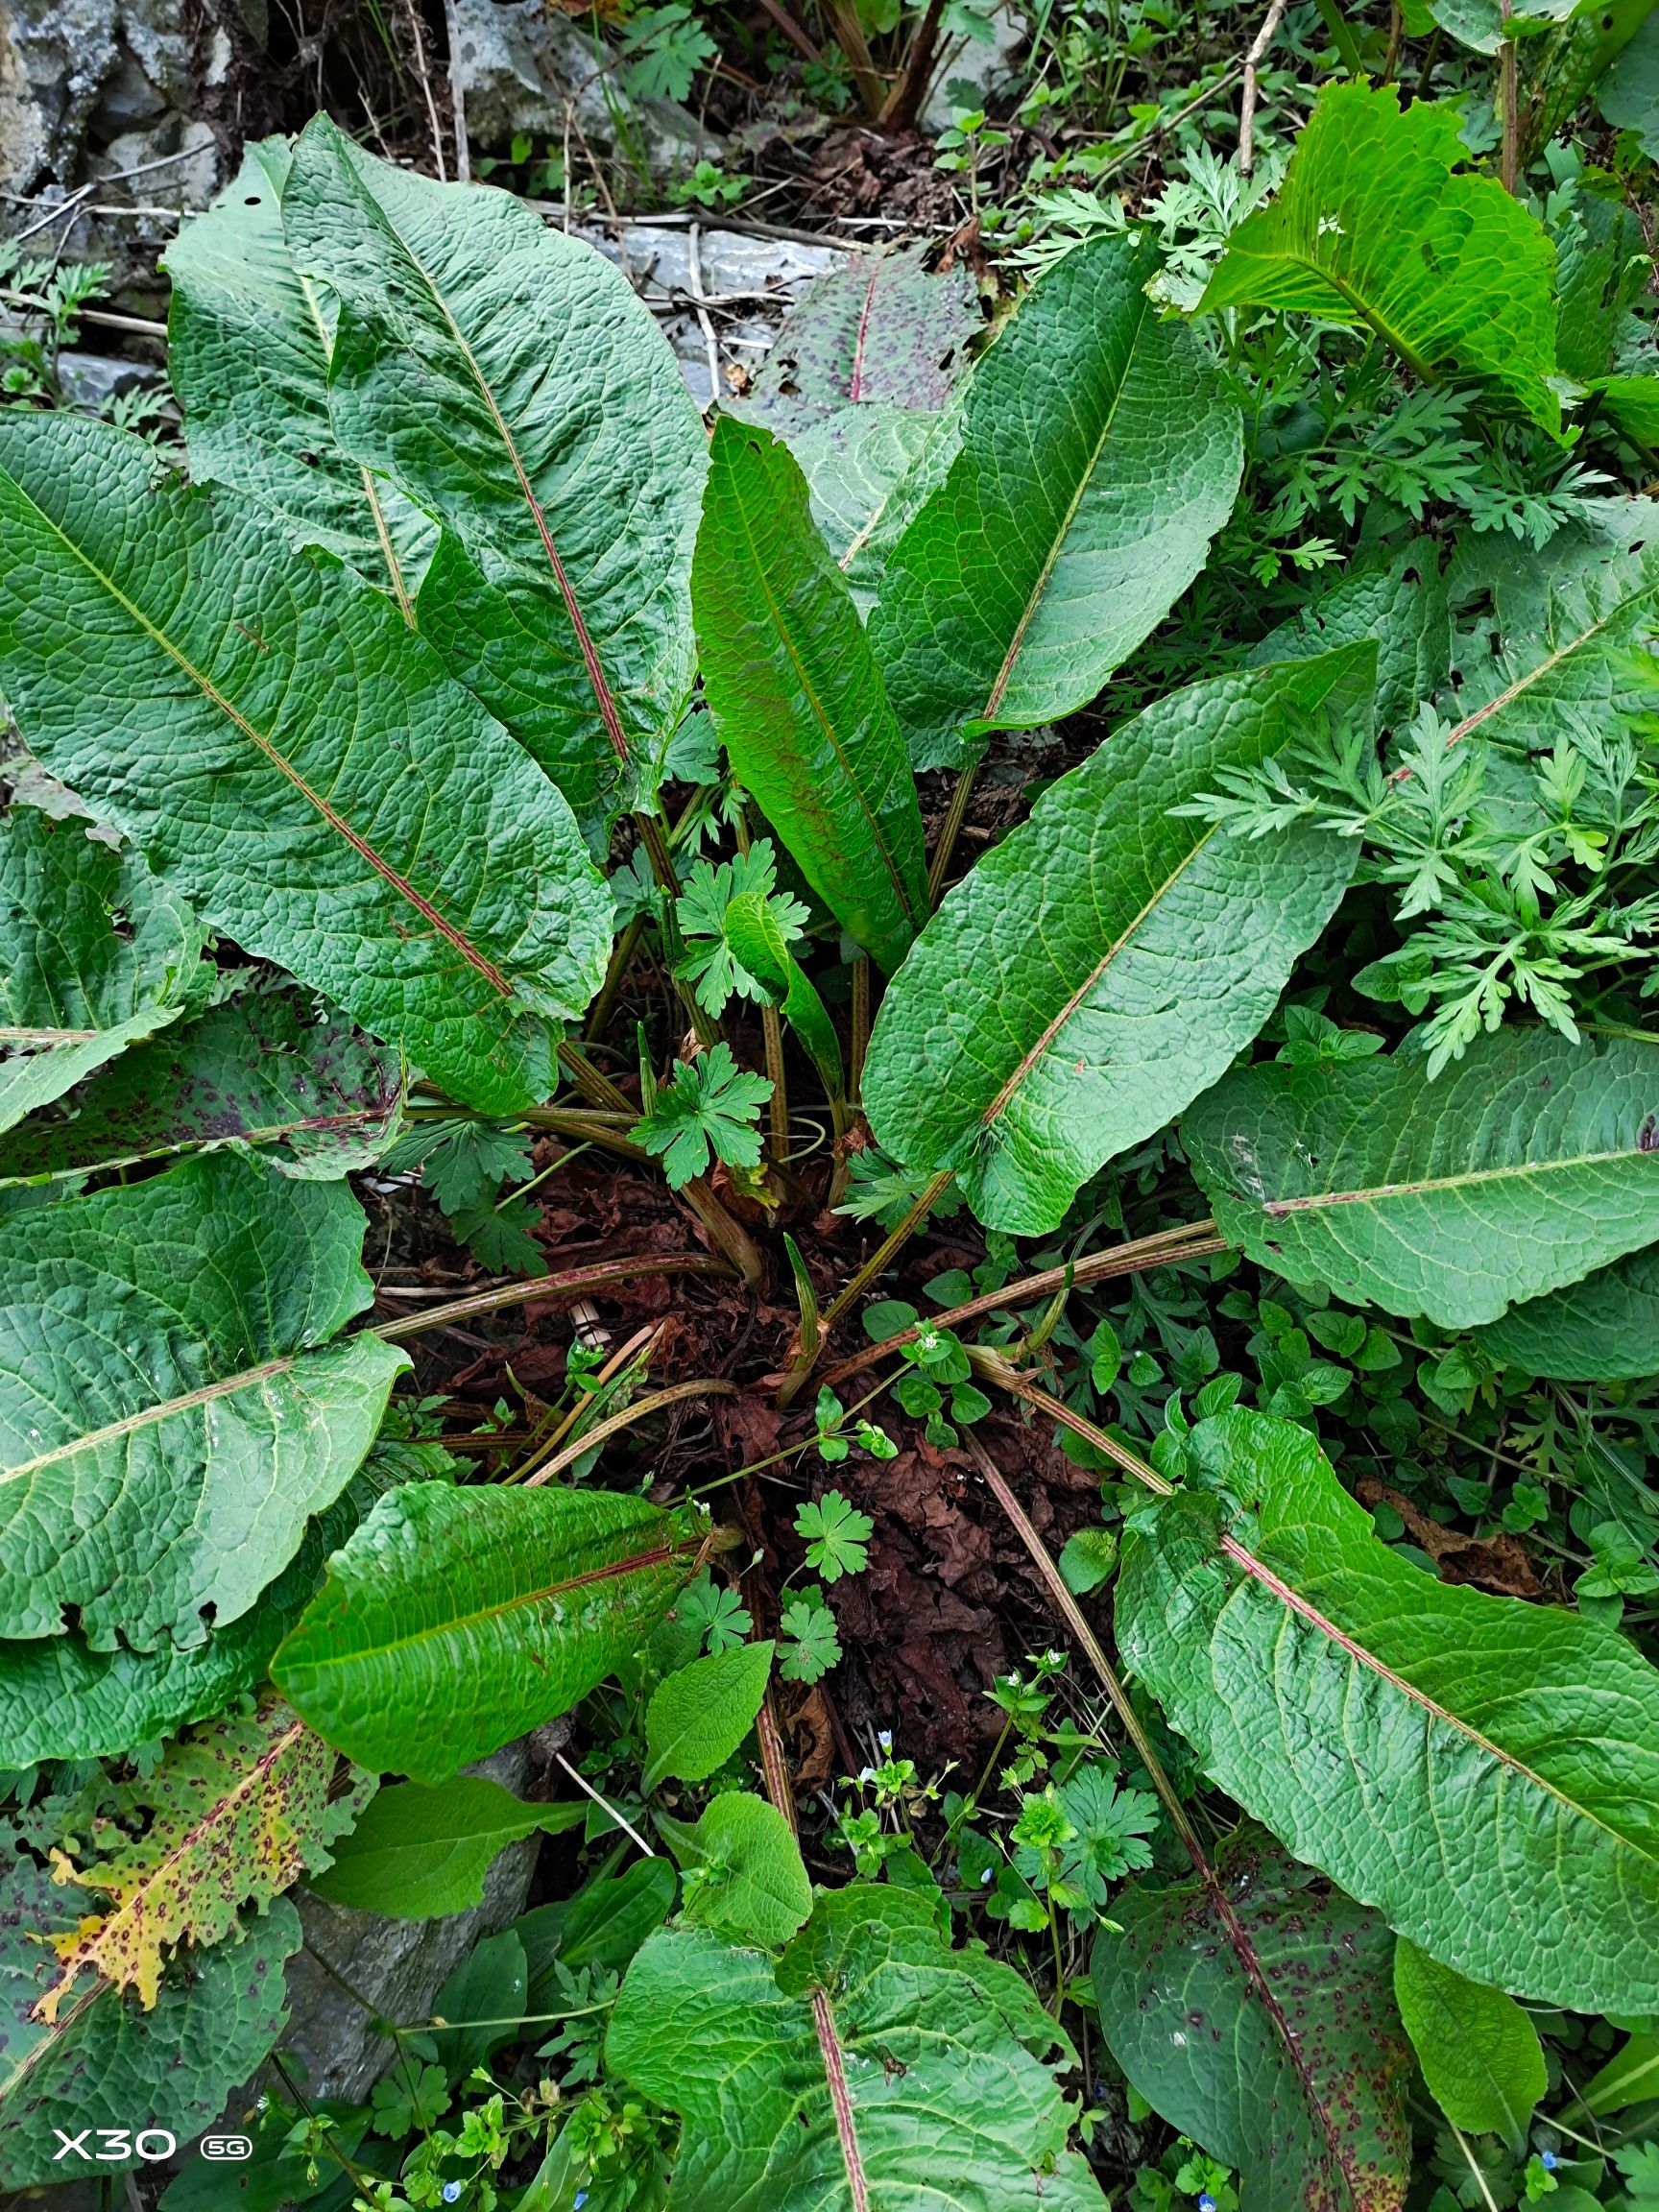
1257 2017
249 341
868 470
1482 25
1380 221
172 1411
761 950
1602 1330
929 2053
106 2063
1628 94
61 1699
854 385
506 378
698 1716
1561 70
602 1925
1632 2078
417 1853
1105 962
1485 1773
1521 1168
287 755
798 700
1632 402
1478 2051
235 1815
744 1874
269 1069
486 1997
457 1619
1568 642
1403 604
1099 455
95 954
1602 265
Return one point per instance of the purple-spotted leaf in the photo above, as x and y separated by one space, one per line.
1257 2014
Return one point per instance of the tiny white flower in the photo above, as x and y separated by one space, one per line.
884 1737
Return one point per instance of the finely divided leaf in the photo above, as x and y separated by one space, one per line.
798 700
95 954
417 1854
268 1069
234 1816
105 2061
172 1411
1099 455
1379 221
1257 2016
834 2079
508 379
1105 962
289 755
455 1620
249 341
1485 1773
1521 1168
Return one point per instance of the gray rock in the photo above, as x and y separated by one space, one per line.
397 1966
519 61
980 68
89 379
753 281
90 88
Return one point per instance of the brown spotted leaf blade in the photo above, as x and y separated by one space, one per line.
105 2059
881 331
1258 2016
268 1069
236 1814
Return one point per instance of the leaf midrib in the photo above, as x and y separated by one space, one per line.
226 1386
1036 1053
821 715
455 1624
1476 1177
1294 1602
279 760
602 696
1005 674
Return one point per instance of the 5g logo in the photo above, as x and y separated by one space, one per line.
119 2145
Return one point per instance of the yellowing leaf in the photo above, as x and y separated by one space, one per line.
239 1812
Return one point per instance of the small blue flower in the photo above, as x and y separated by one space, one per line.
579 2200
451 2192
1548 2161
1206 2203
